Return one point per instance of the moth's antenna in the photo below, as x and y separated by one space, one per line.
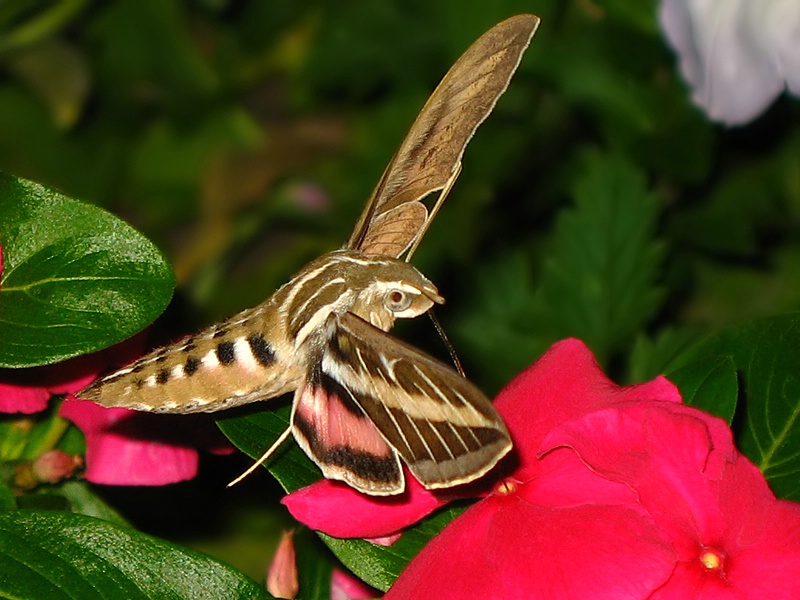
264 457
448 345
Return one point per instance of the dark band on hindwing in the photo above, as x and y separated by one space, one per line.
380 470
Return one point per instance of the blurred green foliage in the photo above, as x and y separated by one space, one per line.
243 138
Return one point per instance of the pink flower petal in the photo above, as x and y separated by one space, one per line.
121 451
29 390
700 492
506 547
563 384
663 451
767 567
340 511
15 398
346 587
563 480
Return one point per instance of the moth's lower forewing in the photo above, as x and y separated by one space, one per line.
442 426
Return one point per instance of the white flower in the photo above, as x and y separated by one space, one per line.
737 55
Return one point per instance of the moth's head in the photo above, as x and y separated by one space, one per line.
396 290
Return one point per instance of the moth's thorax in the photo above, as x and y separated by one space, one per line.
378 289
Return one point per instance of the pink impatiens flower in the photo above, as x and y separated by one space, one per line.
28 391
731 536
125 448
282 581
617 492
122 447
346 587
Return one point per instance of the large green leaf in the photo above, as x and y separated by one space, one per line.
62 555
710 384
766 355
75 279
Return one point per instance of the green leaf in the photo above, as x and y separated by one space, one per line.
599 282
314 565
765 353
84 501
640 15
62 555
709 384
505 334
380 566
75 279
731 292
650 356
7 500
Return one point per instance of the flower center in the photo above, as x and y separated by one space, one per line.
505 487
711 559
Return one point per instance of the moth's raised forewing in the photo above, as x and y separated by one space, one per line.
440 424
232 363
430 155
389 233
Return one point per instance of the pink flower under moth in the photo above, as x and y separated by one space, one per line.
25 399
732 537
120 446
737 55
618 492
125 447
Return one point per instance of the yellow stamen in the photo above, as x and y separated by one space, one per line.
506 487
711 559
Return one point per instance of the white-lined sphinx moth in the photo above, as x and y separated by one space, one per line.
363 400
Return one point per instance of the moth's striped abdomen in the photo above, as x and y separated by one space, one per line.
232 363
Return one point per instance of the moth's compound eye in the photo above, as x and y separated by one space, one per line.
397 300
